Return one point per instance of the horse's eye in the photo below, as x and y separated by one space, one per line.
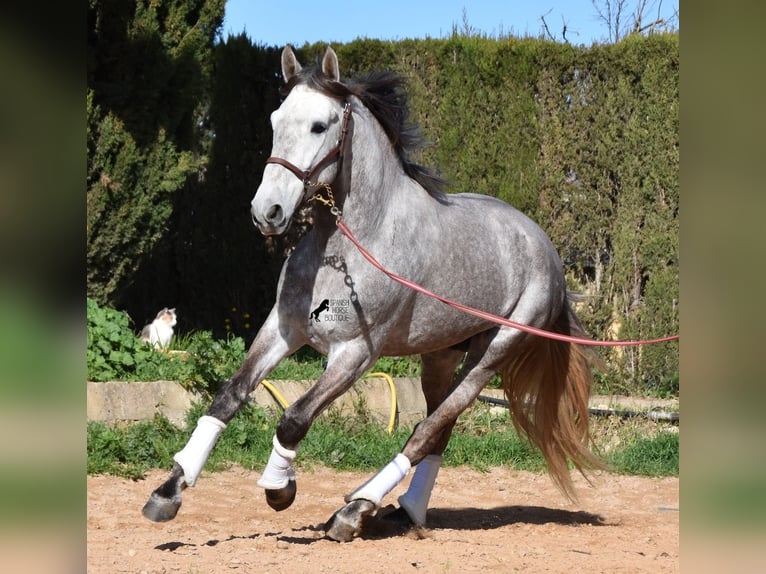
318 128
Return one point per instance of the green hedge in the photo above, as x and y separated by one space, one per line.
584 140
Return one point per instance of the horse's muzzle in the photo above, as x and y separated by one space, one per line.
272 222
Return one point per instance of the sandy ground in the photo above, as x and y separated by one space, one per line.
499 521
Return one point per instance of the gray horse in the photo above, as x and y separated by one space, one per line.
344 146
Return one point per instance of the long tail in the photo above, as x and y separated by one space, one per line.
547 387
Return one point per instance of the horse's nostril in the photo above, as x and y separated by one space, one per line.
274 215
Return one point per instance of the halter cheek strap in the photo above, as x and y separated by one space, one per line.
335 154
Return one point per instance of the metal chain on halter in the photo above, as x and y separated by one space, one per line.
329 201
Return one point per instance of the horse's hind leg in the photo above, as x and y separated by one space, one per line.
437 379
484 357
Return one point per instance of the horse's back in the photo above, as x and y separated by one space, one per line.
495 211
480 251
502 228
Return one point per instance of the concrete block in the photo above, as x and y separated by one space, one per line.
118 401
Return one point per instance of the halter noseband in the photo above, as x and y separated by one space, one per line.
335 154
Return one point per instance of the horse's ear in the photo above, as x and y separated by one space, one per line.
290 64
330 66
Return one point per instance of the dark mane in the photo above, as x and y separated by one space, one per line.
383 94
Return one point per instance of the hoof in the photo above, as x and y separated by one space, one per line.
164 502
282 498
161 509
347 522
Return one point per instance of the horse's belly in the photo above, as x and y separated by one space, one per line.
431 326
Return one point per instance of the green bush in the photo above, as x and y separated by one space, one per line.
115 352
209 362
113 349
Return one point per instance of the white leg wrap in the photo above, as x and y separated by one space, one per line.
382 483
415 500
279 470
193 456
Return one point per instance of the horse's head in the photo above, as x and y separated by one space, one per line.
306 146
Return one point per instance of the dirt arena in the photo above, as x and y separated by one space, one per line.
499 521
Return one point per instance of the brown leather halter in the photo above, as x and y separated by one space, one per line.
335 154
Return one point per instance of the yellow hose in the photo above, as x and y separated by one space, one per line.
391 419
275 393
390 381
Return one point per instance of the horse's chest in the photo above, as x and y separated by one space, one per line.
329 299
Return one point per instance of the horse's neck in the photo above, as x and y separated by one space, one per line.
377 180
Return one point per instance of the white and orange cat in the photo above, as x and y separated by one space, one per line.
159 332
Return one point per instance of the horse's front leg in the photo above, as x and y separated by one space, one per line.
267 350
278 478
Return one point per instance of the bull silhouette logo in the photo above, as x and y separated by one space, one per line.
323 306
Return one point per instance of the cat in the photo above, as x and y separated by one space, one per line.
159 332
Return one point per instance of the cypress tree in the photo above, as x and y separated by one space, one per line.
149 65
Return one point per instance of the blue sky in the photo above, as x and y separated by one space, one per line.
276 23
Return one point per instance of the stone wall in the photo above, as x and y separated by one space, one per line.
119 401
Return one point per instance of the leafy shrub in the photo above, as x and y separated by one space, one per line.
113 349
115 353
210 362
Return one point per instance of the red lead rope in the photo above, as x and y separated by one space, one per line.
490 316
